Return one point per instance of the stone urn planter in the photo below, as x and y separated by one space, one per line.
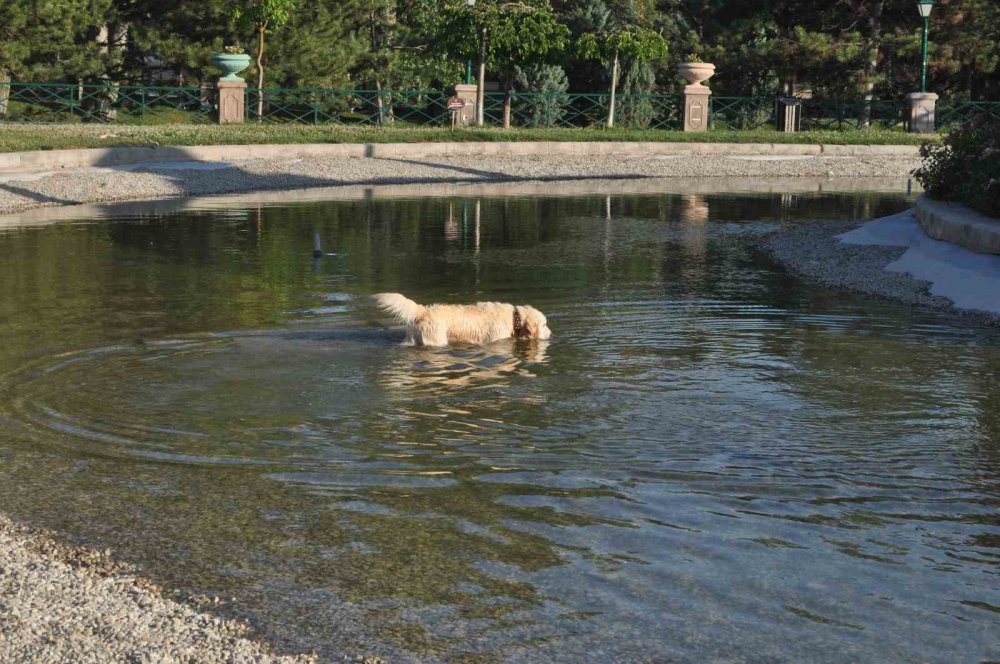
696 72
231 64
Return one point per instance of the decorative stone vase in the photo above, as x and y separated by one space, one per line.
231 64
696 72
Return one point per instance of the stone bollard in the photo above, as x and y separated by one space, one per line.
696 107
231 97
466 116
921 112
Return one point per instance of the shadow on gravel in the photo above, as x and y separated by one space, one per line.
189 174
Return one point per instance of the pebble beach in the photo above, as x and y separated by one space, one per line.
59 603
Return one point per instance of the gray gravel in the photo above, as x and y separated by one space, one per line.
812 251
95 185
63 604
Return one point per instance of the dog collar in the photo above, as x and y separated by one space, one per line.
518 323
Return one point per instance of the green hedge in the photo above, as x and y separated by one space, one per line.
966 168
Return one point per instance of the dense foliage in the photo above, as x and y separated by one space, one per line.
966 168
842 48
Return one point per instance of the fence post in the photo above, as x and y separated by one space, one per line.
142 105
696 107
466 116
922 112
231 97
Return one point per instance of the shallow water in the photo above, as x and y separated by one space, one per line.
710 460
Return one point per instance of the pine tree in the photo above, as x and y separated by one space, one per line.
548 84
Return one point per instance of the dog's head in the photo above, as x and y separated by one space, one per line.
533 323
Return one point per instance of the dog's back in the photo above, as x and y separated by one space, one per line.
483 322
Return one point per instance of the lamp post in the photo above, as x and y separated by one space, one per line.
471 4
924 7
921 118
468 63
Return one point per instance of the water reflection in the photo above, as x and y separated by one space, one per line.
434 370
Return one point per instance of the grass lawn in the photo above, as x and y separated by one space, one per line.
18 137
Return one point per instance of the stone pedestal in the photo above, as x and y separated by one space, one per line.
466 116
231 97
921 112
696 107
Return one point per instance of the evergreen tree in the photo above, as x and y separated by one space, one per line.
549 85
51 40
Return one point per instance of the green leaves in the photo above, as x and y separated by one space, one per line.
264 13
632 42
515 33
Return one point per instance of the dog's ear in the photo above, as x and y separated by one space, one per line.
530 326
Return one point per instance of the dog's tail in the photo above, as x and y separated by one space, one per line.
402 309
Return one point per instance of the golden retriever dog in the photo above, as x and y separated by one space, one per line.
480 323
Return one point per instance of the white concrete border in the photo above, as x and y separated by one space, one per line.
39 160
959 225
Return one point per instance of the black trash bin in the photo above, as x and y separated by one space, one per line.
788 114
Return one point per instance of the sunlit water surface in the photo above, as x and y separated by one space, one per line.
710 460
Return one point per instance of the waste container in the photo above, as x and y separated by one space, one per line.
788 114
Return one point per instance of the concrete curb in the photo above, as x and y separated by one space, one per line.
959 225
42 160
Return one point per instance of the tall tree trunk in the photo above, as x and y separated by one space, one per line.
260 71
507 100
107 45
481 83
614 86
871 68
5 80
385 114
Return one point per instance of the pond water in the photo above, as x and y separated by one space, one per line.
709 461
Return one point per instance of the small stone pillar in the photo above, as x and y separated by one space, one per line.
466 116
696 107
231 97
921 112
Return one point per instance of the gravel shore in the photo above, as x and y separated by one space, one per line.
813 251
23 191
64 604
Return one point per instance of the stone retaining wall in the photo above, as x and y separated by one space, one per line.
959 225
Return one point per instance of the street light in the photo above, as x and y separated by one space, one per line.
471 4
924 7
468 63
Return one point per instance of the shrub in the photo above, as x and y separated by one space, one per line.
966 168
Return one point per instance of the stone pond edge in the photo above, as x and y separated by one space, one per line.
955 223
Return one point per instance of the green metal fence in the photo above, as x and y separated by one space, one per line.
740 112
950 113
362 107
562 109
853 114
156 104
104 102
759 112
